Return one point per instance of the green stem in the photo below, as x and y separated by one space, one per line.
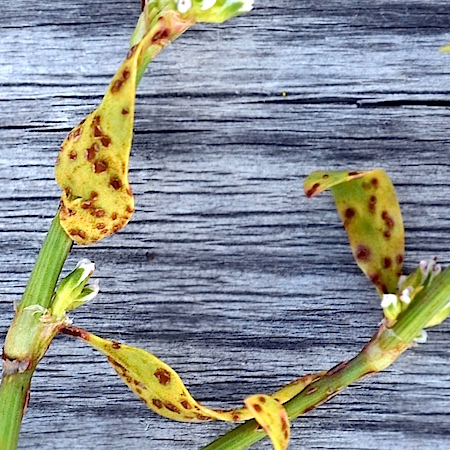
48 266
383 349
13 400
28 338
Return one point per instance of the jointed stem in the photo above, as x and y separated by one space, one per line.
384 348
27 339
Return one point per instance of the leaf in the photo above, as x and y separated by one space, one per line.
92 166
445 48
370 212
162 389
272 417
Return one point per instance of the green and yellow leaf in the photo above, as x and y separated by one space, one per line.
92 166
369 209
162 389
272 418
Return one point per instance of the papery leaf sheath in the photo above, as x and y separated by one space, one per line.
272 418
162 389
370 212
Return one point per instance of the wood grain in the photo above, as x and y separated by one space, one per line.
226 271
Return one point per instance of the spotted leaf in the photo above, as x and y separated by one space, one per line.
162 389
92 167
272 418
370 212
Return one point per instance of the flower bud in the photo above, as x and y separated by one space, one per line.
74 290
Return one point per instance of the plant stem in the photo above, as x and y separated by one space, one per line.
382 350
28 338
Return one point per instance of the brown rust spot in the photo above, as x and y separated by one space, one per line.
399 258
257 407
99 212
129 192
325 176
387 262
100 226
284 423
129 209
86 205
94 196
311 390
100 166
163 376
172 407
73 155
116 228
262 399
337 368
202 417
235 417
163 33
362 253
186 405
125 111
158 403
75 332
114 216
115 183
388 220
352 174
115 345
349 213
105 140
76 134
374 182
372 204
91 151
126 74
131 51
375 279
98 131
387 234
313 190
117 86
77 232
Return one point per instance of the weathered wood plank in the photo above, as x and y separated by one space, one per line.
226 271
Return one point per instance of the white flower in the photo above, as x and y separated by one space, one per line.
207 4
246 6
184 6
422 338
388 300
405 297
88 268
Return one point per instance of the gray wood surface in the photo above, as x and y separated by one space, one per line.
227 271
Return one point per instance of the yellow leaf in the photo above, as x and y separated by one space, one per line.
272 417
162 389
92 166
370 211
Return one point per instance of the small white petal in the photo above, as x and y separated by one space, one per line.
207 4
94 287
87 266
422 338
247 6
184 6
388 300
406 295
